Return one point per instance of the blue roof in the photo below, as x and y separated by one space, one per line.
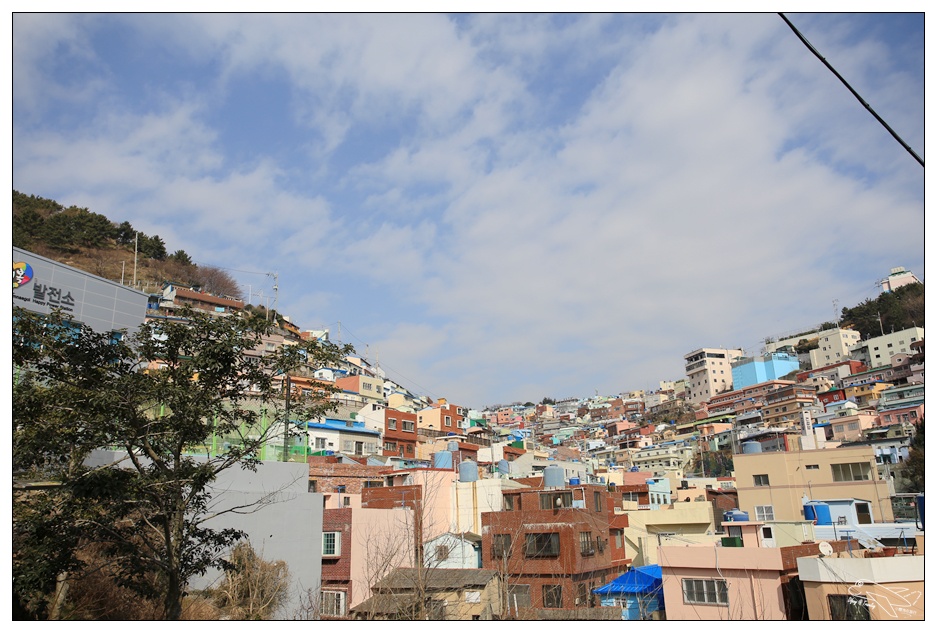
643 579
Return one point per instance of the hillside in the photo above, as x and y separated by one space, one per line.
94 243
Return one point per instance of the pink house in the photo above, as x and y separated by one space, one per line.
747 578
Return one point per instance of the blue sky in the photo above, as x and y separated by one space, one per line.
499 207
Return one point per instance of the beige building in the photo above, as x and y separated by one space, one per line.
880 351
854 587
773 485
693 521
835 345
708 372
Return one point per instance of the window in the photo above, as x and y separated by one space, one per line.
333 603
407 426
586 544
542 545
851 472
556 500
763 513
519 595
500 545
812 467
391 423
313 486
331 544
448 420
442 552
761 480
598 501
552 596
511 502
849 608
713 591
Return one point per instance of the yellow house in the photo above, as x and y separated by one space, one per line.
773 485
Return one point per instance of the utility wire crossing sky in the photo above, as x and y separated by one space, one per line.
504 206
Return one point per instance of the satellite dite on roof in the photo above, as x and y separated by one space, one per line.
825 549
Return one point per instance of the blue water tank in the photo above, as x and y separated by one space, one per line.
503 466
818 511
751 447
553 476
574 481
467 471
442 460
635 469
735 515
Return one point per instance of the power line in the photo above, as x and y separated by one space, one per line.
852 90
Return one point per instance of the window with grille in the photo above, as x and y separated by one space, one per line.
500 545
331 543
333 603
851 472
519 595
552 596
542 545
555 500
761 480
586 543
705 591
763 513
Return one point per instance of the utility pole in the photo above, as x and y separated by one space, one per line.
286 421
136 247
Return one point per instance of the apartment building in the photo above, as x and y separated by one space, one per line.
556 545
835 345
443 417
772 485
771 366
880 350
708 372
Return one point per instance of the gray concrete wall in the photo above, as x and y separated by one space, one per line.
282 520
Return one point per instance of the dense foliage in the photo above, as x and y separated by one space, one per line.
901 309
157 398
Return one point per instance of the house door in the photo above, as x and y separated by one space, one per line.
864 513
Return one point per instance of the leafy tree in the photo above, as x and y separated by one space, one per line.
27 227
180 256
900 309
125 234
914 468
153 247
158 396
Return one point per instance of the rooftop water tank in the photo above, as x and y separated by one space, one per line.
553 476
503 466
574 481
751 447
442 460
735 515
453 446
818 511
468 471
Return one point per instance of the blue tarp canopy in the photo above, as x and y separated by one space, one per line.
643 579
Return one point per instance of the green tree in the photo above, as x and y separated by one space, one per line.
125 234
914 467
153 247
158 397
181 257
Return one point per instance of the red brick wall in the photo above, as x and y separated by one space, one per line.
337 570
